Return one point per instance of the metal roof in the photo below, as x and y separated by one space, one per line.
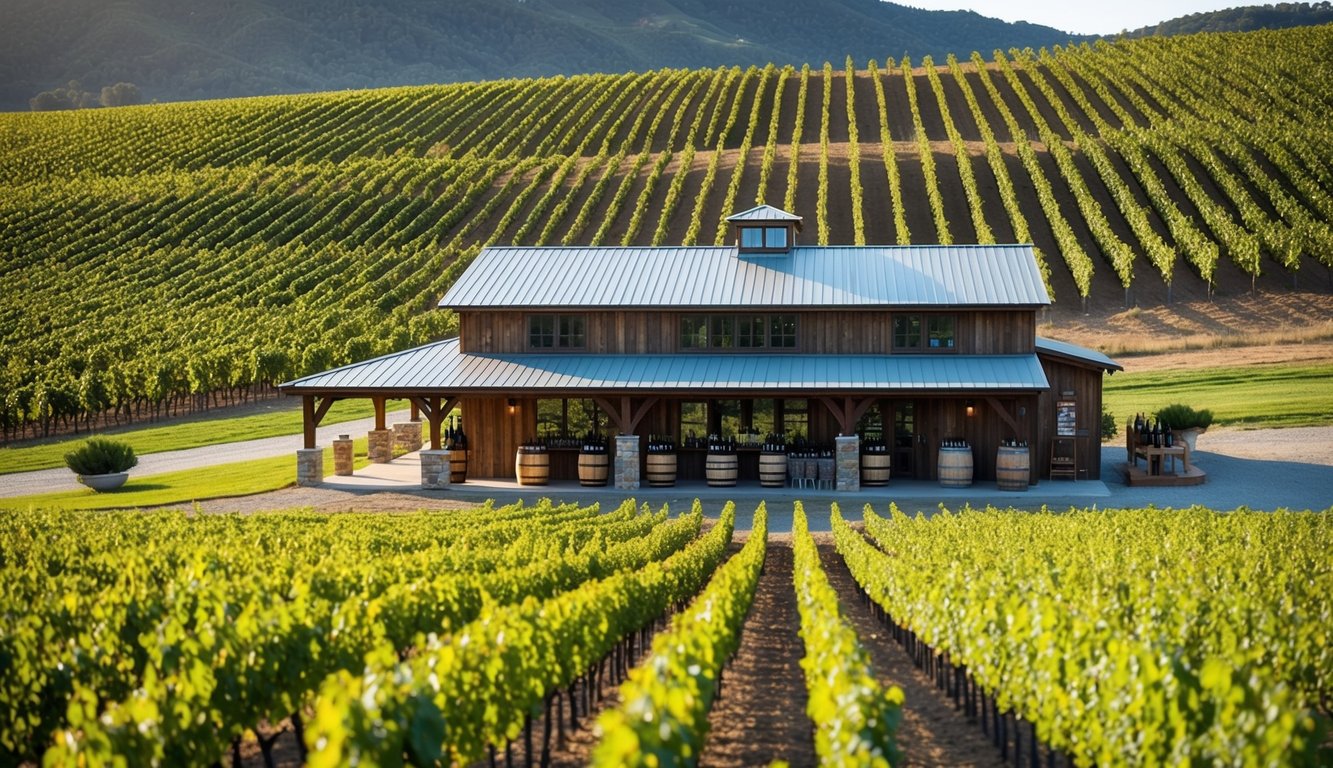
442 368
1075 352
823 277
764 213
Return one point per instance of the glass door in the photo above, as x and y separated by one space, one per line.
904 438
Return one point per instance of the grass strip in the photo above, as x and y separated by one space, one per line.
241 478
1253 396
280 418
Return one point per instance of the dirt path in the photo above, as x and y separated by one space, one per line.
761 714
932 732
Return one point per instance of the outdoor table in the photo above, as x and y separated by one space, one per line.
1153 455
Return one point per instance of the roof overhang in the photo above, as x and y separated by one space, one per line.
442 367
1072 353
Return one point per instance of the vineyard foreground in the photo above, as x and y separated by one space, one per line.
1094 637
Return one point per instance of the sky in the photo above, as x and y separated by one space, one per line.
1080 16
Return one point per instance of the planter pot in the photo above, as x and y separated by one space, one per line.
108 482
1189 436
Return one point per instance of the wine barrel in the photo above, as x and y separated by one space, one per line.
457 466
875 468
955 467
661 470
772 470
594 468
1012 468
721 469
532 467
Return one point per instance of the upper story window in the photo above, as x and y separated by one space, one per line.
768 238
738 332
557 332
924 333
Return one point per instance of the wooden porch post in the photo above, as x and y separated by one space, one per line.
379 412
416 412
436 408
848 413
308 421
435 418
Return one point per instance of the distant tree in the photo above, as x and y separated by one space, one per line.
121 95
71 96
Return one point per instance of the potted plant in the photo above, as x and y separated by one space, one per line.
101 464
1186 422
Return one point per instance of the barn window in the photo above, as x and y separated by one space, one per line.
557 332
923 332
768 238
756 332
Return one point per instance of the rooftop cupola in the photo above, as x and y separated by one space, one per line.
765 230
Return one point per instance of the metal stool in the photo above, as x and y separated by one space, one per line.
827 474
796 469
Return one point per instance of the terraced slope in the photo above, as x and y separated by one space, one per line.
154 254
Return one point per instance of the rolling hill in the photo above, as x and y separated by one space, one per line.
156 254
200 50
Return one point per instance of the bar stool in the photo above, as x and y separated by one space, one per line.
796 469
827 474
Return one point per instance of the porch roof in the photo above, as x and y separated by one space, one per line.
441 367
1072 352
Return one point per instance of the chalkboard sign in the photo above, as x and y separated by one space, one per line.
1066 418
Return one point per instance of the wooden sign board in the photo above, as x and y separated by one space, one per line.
1066 418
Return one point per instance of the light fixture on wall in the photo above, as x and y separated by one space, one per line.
512 404
971 409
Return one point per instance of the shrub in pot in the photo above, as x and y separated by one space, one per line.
1186 422
101 463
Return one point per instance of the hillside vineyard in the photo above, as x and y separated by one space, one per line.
157 254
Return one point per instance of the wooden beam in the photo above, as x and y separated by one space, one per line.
841 413
308 420
416 412
1007 417
323 409
421 404
379 412
435 411
647 403
862 406
612 413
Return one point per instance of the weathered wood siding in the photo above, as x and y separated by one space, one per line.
989 332
1086 384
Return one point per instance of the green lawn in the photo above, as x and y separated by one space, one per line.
239 479
1246 396
282 418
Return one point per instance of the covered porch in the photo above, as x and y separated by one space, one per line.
905 407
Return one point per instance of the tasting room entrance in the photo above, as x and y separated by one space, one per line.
893 423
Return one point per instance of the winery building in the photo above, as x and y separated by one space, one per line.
842 350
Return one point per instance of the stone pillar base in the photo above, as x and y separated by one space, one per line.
309 466
434 470
342 456
380 445
627 462
848 457
407 436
